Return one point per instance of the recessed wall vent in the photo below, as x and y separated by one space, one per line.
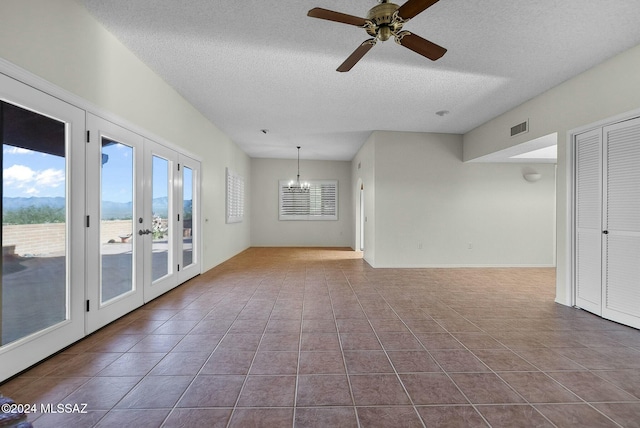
520 128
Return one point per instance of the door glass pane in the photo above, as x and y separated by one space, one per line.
34 289
187 205
116 226
161 207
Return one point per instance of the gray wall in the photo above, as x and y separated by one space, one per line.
429 206
609 89
268 231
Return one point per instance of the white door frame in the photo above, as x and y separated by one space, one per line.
153 289
22 353
195 268
99 313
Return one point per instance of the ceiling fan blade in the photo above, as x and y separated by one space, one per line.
419 45
413 7
330 15
356 55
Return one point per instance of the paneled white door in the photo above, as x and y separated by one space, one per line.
607 221
588 221
621 233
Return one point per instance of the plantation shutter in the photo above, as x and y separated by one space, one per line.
320 202
235 197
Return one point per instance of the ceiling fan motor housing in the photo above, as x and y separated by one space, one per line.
385 21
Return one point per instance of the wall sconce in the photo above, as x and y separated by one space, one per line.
532 177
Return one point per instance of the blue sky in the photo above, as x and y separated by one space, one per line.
117 173
27 173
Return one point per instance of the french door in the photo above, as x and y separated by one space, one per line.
43 246
136 216
96 221
115 218
189 219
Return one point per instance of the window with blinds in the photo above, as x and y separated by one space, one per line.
320 202
235 197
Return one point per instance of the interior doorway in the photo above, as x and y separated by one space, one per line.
360 217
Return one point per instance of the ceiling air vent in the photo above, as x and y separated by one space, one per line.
520 128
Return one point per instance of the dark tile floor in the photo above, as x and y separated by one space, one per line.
317 338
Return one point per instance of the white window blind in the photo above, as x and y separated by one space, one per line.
320 202
235 197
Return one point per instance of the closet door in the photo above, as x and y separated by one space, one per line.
588 221
621 276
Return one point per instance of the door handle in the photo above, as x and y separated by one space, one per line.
144 232
606 232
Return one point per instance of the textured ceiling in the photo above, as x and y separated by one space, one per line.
256 64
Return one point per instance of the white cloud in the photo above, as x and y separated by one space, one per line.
49 178
18 173
30 182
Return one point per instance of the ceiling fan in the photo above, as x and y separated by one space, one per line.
382 22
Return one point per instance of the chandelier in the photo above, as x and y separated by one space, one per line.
297 186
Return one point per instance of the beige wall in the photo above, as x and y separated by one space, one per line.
35 239
267 230
609 89
60 42
50 238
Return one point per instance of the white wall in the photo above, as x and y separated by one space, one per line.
426 196
60 42
363 171
268 231
609 89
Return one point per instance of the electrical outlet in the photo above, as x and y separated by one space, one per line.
419 245
470 246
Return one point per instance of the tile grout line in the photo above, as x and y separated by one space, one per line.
295 393
147 334
432 357
257 348
174 407
344 361
395 371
